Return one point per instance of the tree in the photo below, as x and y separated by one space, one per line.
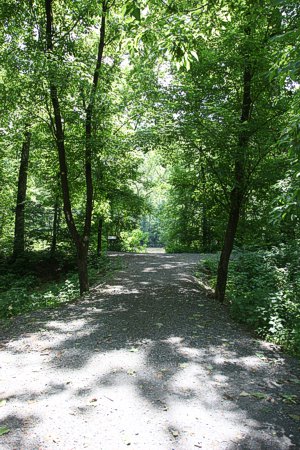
19 237
238 191
81 240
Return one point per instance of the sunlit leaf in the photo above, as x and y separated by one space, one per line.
4 430
133 350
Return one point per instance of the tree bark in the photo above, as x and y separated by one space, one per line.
99 239
238 192
19 235
56 220
206 244
82 266
81 241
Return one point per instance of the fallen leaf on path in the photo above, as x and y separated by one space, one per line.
259 395
183 365
245 394
126 439
4 430
175 433
2 402
295 380
159 375
289 398
261 356
294 416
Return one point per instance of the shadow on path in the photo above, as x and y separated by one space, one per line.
147 361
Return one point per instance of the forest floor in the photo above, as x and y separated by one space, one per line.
146 361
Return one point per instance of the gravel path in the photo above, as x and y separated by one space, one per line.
145 362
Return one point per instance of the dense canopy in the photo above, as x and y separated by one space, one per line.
163 123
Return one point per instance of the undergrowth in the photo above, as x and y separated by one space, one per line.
24 292
263 292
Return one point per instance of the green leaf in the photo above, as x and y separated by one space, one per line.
195 55
259 395
280 37
133 10
290 398
294 417
245 394
4 430
136 13
2 402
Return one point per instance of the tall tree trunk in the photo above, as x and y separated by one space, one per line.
56 219
205 230
205 225
81 241
99 239
82 266
19 236
237 193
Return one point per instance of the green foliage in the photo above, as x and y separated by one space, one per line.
24 296
207 270
29 292
166 128
264 293
134 241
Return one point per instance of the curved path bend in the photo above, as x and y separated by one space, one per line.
147 361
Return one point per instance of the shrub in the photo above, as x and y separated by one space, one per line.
21 294
134 241
22 297
263 291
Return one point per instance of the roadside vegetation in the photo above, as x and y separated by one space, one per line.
40 282
132 123
263 292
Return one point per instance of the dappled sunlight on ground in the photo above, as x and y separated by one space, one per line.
144 362
155 250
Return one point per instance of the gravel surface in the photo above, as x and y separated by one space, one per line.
147 361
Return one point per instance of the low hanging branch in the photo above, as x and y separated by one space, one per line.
81 241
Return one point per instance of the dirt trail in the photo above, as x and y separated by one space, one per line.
146 362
